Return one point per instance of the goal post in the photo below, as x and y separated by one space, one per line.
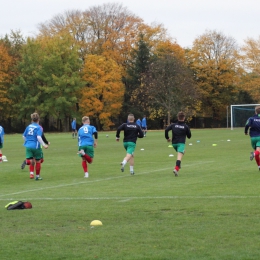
240 113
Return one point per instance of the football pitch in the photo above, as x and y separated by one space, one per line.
211 211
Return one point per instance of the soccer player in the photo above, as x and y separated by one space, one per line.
132 131
74 128
253 125
2 132
179 133
87 143
24 163
138 121
144 125
32 142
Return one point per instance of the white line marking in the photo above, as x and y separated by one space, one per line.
124 199
98 180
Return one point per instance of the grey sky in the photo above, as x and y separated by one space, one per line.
185 20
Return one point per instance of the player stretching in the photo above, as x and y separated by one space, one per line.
131 132
87 143
253 123
179 133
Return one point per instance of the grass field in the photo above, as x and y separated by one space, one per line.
211 211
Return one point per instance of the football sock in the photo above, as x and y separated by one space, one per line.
84 166
86 174
42 160
131 168
31 167
257 158
88 158
38 168
28 162
124 162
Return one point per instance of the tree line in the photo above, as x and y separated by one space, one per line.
105 62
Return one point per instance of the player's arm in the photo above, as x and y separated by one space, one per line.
44 139
95 138
140 132
188 134
39 138
247 126
166 133
118 132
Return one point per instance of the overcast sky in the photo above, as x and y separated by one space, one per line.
184 19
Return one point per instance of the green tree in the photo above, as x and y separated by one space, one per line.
170 87
135 98
49 79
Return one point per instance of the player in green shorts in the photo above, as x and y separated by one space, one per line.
132 131
179 133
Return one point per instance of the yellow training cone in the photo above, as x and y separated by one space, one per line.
96 223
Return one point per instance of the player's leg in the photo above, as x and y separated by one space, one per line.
180 148
85 167
38 157
1 146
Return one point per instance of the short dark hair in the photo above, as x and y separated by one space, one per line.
181 115
35 117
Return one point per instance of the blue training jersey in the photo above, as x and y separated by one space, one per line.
31 132
254 124
138 121
2 132
85 135
73 124
144 122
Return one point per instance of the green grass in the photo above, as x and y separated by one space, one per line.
211 211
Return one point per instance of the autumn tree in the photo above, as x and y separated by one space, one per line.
251 62
171 87
49 79
215 62
102 96
10 46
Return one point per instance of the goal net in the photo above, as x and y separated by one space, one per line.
240 113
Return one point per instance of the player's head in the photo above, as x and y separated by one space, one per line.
35 117
85 120
74 119
131 118
257 110
181 116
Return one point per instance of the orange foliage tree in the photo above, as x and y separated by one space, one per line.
6 61
103 94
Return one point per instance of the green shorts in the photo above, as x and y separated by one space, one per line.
255 142
89 150
180 147
33 153
129 147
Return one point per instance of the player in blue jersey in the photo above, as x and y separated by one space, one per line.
32 141
87 143
138 122
74 128
131 132
253 125
179 133
144 125
2 132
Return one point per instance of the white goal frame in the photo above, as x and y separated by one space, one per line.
238 105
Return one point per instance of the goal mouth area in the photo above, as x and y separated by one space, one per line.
240 113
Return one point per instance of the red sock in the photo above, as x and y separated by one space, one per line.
84 166
42 160
1 155
31 167
257 158
28 162
88 158
177 168
38 168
